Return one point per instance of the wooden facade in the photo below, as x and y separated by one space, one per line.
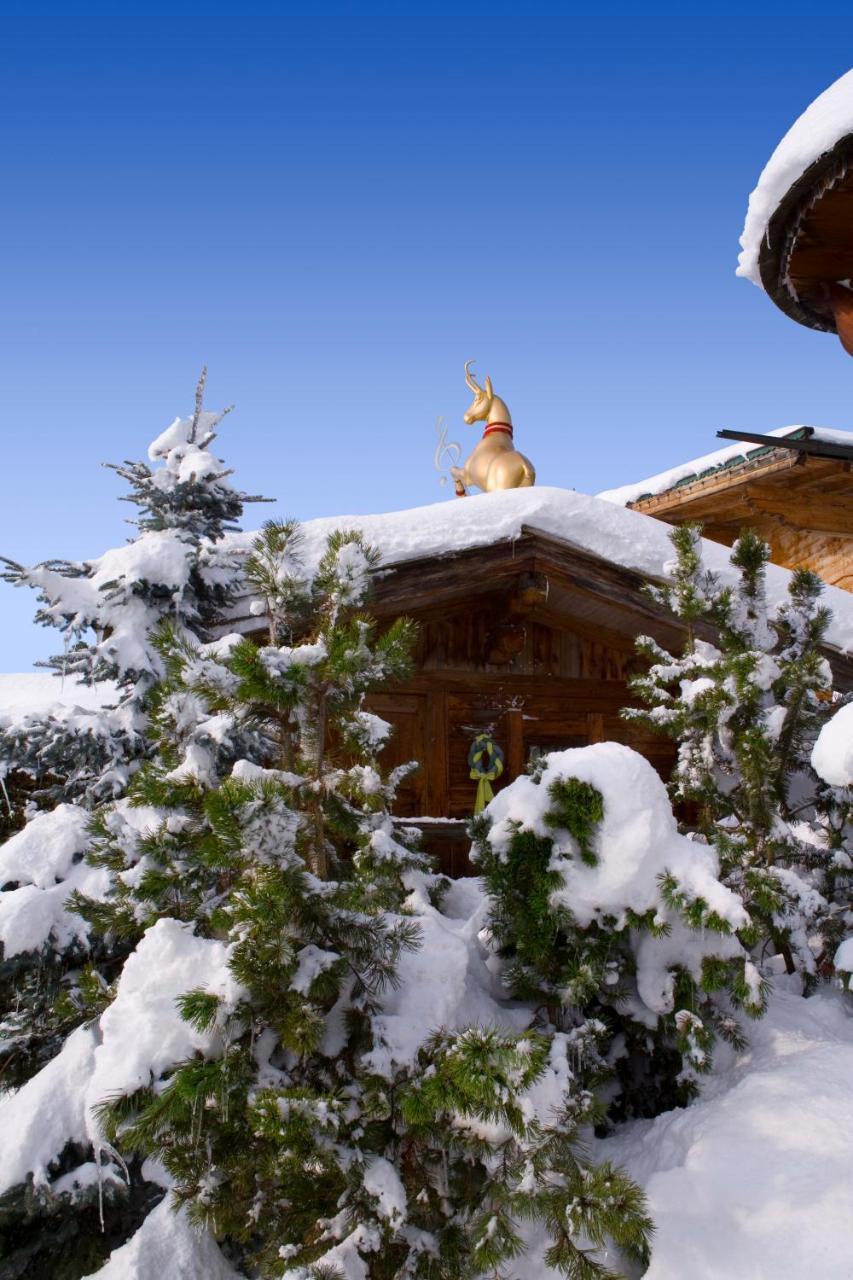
531 641
799 502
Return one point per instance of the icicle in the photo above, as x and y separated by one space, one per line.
6 793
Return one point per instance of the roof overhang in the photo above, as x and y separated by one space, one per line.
808 243
599 594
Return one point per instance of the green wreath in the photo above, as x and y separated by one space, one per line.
486 762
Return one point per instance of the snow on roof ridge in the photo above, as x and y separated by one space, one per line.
601 528
713 461
824 123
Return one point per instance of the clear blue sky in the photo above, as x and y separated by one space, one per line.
335 206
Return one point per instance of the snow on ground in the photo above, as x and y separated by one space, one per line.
824 123
754 1180
604 529
698 467
832 755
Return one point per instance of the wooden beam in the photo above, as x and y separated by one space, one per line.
514 742
507 684
708 488
816 511
816 448
452 579
436 747
595 726
621 641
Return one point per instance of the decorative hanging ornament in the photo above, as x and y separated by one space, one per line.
447 452
486 762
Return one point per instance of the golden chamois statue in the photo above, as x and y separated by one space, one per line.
494 463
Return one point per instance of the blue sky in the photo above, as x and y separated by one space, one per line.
335 206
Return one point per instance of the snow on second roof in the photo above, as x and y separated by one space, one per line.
604 529
39 690
709 462
824 123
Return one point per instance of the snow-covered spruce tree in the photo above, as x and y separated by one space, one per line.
54 970
108 611
616 926
297 1135
60 1211
146 842
745 713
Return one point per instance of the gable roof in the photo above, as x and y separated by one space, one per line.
600 530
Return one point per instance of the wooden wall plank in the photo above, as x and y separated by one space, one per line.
595 726
514 742
436 753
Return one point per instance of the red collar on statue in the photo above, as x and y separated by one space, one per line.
498 426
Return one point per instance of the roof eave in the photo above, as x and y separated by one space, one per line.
775 244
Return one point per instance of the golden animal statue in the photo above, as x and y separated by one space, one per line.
494 463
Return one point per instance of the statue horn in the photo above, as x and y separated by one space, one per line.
469 378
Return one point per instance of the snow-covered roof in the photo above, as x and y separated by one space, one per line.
699 468
820 128
614 533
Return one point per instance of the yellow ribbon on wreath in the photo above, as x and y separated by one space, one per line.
486 762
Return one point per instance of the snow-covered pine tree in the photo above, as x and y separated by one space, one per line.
110 611
616 926
297 1135
745 713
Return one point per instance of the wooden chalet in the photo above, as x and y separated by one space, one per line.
531 642
527 635
795 490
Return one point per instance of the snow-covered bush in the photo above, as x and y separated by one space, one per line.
745 712
616 925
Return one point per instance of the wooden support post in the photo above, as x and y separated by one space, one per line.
595 726
514 742
437 782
